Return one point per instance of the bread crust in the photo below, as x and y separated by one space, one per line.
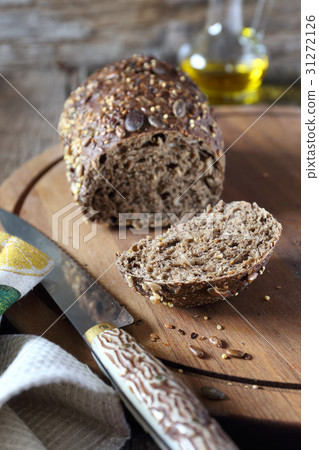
127 102
198 292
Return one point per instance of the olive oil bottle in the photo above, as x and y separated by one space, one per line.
226 60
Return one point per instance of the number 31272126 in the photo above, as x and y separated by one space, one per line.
310 44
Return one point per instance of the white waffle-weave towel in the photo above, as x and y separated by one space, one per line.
49 400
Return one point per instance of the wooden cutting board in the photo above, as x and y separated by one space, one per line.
263 166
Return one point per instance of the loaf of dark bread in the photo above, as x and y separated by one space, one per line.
138 134
212 256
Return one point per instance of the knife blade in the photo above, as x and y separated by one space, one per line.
58 285
166 409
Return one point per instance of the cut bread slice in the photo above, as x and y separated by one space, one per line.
212 256
140 137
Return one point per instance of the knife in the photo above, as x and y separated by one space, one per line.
166 409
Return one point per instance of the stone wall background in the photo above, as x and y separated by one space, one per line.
82 35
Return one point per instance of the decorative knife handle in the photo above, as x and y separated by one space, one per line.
173 414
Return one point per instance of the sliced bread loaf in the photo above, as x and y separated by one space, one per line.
136 135
212 256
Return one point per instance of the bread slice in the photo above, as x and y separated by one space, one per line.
212 256
139 137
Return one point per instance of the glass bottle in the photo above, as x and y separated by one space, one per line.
228 58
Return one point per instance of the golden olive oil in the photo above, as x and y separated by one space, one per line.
228 82
227 68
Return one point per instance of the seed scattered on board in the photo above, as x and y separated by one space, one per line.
235 353
139 322
197 351
154 337
267 298
217 342
180 370
212 393
219 327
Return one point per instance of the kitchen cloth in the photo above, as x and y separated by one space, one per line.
22 266
48 399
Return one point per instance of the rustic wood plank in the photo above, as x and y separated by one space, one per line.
24 133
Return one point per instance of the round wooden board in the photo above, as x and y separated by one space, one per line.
262 166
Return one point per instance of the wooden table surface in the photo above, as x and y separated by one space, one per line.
24 134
